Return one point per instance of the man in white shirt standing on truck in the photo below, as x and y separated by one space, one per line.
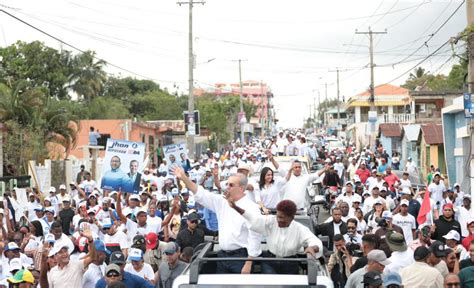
235 237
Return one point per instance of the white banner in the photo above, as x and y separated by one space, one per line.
176 154
122 161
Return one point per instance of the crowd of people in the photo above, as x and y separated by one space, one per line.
380 233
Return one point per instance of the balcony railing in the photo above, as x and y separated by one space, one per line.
385 118
396 118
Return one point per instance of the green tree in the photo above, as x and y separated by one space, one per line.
38 64
107 108
88 77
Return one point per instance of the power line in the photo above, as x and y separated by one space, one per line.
82 51
433 34
417 64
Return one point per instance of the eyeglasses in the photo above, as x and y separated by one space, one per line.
113 274
194 221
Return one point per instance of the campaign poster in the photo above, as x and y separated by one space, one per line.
123 159
176 154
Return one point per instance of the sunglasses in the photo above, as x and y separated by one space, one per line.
456 284
113 274
194 221
169 253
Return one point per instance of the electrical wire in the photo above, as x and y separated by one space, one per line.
82 51
433 34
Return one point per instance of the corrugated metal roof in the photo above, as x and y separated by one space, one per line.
412 131
391 129
433 133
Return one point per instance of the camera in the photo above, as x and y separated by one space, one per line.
354 249
382 222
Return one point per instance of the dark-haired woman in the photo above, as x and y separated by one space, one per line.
270 190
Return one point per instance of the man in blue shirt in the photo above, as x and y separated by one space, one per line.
115 178
93 136
130 280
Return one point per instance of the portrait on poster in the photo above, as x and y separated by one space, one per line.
122 161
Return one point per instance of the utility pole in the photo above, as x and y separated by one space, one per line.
371 52
470 84
338 96
190 138
261 109
242 121
319 107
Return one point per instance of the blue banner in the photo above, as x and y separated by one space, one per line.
468 108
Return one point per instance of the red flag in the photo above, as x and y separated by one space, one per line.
425 208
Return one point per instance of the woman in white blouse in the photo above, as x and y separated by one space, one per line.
270 190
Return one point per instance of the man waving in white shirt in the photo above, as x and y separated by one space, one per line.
235 237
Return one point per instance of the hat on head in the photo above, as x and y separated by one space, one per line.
15 264
135 254
112 267
349 183
151 239
163 199
91 211
106 223
405 202
72 183
11 246
49 238
191 204
378 256
37 208
396 241
373 278
112 193
366 193
117 257
174 192
378 201
193 216
421 253
448 205
245 166
184 191
57 247
66 198
469 221
438 249
106 200
134 197
52 190
466 196
171 248
456 185
452 235
387 215
62 187
142 210
391 278
437 174
22 276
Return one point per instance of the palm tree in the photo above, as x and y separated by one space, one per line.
88 79
20 103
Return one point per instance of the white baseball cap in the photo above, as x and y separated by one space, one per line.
452 235
52 190
57 248
62 186
405 202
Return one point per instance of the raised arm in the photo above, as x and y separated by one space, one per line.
91 255
179 173
122 217
272 159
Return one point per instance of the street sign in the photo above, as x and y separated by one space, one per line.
192 123
468 107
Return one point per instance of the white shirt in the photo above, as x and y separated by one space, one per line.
437 191
283 242
462 216
118 239
369 203
281 143
339 168
399 260
234 230
92 275
404 183
407 223
410 167
295 188
30 206
270 196
69 276
146 272
348 199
